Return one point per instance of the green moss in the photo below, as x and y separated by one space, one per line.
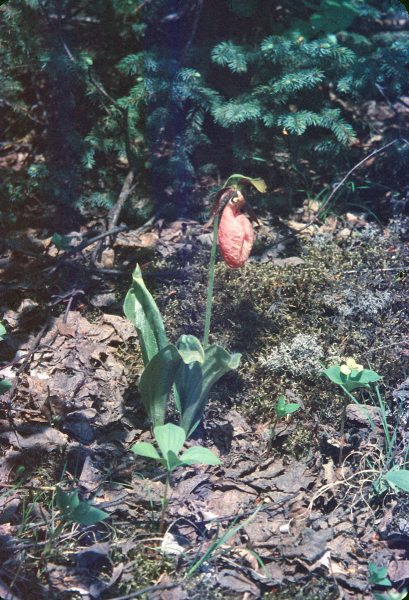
315 589
257 308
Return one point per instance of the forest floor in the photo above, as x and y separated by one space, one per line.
295 524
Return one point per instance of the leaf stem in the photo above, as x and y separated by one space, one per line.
210 288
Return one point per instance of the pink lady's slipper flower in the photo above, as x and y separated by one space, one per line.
236 234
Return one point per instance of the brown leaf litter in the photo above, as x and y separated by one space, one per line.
78 399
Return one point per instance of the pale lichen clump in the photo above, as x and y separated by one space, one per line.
299 358
364 304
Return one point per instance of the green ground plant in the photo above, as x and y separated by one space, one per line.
378 576
185 367
281 410
170 439
350 376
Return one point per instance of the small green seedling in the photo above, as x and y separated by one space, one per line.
74 511
282 410
170 439
350 376
62 242
393 595
378 575
5 385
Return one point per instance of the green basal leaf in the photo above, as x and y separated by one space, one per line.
335 375
378 575
5 385
170 437
141 309
66 501
2 331
291 407
364 376
190 349
194 381
352 381
156 382
145 449
61 242
280 408
85 514
197 454
399 478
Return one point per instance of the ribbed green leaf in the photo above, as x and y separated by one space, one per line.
66 501
169 437
156 382
190 349
399 478
355 380
197 454
145 449
142 311
193 383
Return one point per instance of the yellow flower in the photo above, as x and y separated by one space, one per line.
350 366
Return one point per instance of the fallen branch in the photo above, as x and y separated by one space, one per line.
81 247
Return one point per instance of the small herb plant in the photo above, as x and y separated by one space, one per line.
281 410
350 376
170 439
71 510
187 367
378 576
74 511
62 243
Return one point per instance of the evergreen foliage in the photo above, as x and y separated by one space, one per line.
93 90
287 71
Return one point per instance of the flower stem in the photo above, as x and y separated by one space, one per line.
210 288
344 410
164 503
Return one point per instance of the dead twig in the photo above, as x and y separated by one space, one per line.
81 247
